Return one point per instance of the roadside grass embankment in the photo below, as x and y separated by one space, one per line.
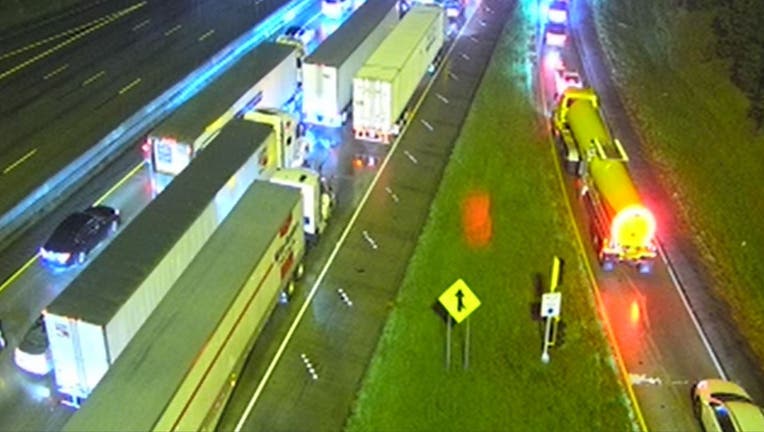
693 123
498 219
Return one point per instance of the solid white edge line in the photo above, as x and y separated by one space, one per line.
678 286
339 244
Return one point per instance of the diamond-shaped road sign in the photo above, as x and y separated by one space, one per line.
459 301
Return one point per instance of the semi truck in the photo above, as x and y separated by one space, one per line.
182 366
266 77
384 85
622 227
92 321
318 195
327 73
290 146
318 198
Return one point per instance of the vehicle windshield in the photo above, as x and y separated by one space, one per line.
730 397
66 232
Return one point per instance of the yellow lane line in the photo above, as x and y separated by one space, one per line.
127 88
93 78
69 41
24 267
172 30
52 38
206 35
117 185
597 297
18 273
55 72
19 161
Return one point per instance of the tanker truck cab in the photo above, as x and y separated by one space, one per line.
317 197
569 149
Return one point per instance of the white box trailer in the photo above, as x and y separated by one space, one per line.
266 77
327 74
89 324
384 85
181 367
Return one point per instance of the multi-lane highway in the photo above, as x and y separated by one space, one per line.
70 83
27 402
668 331
81 77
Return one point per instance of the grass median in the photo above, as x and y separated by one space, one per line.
498 219
694 126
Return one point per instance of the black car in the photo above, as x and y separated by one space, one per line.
78 234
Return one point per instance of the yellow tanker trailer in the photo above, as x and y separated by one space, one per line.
622 227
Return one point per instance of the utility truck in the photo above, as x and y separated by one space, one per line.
383 87
622 227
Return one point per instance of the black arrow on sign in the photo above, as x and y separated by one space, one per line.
460 301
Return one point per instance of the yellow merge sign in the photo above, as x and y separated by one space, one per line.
459 301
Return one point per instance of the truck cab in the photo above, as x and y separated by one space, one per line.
317 196
292 147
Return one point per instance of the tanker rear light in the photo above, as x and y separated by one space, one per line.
635 211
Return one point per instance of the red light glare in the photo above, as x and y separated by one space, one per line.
476 219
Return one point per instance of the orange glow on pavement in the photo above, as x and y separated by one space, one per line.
634 313
476 219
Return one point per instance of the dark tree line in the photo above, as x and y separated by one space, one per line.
739 27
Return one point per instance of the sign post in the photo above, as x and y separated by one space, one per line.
448 342
550 309
459 301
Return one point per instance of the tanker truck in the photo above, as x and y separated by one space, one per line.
622 227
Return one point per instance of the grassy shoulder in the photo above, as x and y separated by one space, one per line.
502 162
693 121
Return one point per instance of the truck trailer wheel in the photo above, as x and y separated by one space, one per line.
286 294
